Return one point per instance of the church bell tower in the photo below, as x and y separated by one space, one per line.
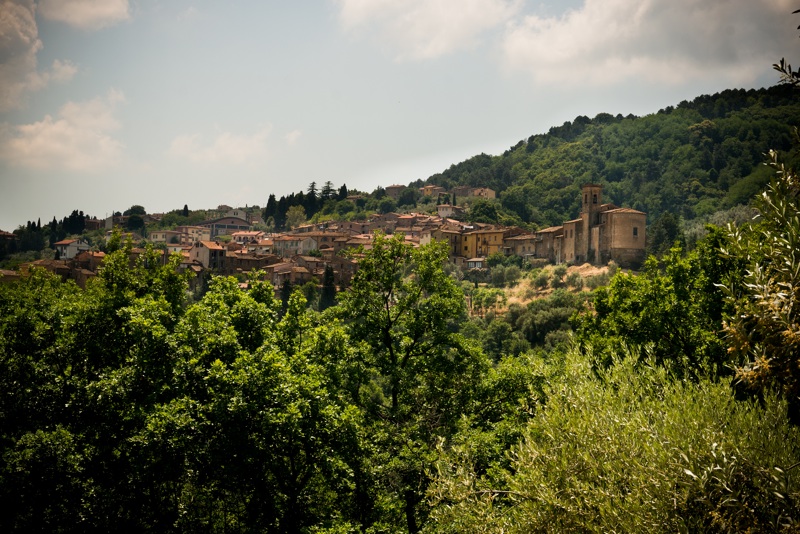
592 199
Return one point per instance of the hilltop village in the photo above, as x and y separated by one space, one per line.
231 245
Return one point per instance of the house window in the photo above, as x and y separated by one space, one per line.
594 199
635 231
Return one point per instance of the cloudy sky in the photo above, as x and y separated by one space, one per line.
109 103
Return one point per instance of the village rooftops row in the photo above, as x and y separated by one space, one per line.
394 191
603 232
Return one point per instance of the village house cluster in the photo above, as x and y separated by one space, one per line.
602 233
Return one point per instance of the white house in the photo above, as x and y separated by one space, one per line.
69 248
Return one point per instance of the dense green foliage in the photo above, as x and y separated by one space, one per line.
690 160
672 310
645 429
125 406
128 406
765 331
631 450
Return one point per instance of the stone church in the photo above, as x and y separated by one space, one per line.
603 232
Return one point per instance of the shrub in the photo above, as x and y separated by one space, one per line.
597 280
633 450
497 276
512 274
575 280
559 273
541 280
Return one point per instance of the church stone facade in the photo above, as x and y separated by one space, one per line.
603 232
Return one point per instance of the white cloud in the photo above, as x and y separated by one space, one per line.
226 148
19 44
292 137
665 41
426 29
78 139
86 14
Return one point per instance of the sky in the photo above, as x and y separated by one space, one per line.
109 103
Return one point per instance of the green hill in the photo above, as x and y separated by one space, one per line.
692 160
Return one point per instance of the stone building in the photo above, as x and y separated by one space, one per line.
394 191
603 232
210 254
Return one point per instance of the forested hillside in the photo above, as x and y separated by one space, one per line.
134 405
692 160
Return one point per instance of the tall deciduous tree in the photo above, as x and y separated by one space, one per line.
671 313
295 216
136 209
403 308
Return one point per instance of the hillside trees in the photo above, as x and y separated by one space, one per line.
765 330
136 209
123 409
295 216
418 372
630 449
671 312
126 407
260 430
690 160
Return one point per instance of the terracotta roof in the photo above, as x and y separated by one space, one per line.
281 266
550 229
212 245
486 231
65 242
626 210
248 233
